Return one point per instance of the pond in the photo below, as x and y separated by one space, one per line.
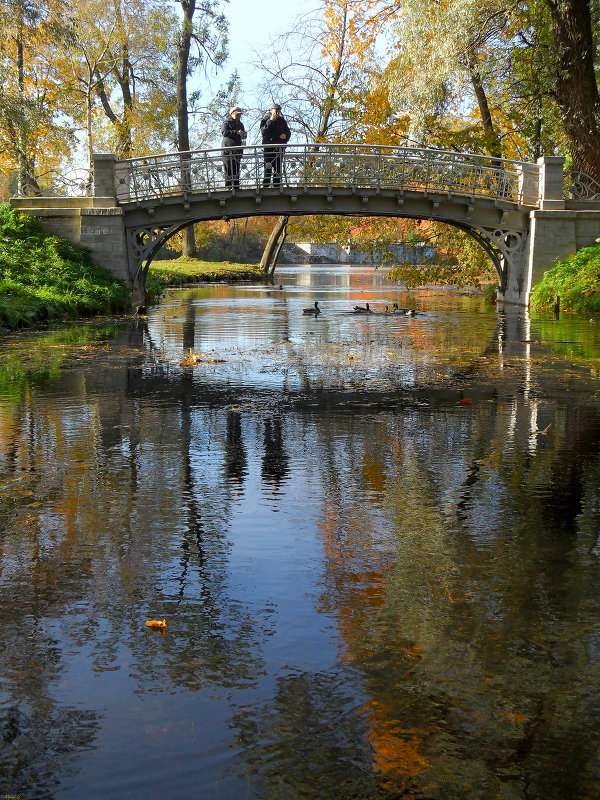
374 540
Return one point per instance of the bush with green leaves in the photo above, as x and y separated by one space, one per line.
575 280
43 277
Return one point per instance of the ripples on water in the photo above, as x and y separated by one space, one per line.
379 573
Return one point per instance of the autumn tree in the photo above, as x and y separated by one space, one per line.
30 136
526 67
321 72
135 81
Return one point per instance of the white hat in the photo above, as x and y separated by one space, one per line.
236 108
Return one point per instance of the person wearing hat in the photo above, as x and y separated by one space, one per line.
275 135
234 135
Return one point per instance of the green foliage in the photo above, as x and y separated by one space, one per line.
43 277
576 280
240 241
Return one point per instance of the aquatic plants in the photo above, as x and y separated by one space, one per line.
43 277
33 359
575 280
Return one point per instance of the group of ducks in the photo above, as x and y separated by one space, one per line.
366 309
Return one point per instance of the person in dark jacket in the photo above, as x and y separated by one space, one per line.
234 135
275 135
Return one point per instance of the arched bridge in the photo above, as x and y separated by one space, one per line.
489 198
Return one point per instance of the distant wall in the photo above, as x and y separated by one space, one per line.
347 254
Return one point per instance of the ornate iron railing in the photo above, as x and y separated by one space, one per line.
76 182
579 186
332 166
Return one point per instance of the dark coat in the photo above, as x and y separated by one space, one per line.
271 130
232 130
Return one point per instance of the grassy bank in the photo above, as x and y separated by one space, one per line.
182 271
576 281
43 278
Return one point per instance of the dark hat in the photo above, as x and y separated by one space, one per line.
276 106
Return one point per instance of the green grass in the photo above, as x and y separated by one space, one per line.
182 271
576 280
44 278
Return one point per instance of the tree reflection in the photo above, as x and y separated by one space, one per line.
275 462
39 735
307 742
236 459
459 610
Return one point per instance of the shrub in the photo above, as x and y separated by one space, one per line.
576 280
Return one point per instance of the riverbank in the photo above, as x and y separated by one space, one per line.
44 278
184 271
571 285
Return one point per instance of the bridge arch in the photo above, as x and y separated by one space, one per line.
502 245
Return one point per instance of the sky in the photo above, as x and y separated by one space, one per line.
252 23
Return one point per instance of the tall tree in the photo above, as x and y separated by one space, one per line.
135 81
576 85
320 72
29 92
209 35
519 60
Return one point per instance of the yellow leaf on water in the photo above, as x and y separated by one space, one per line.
156 623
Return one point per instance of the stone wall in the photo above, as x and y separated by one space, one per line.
94 222
558 234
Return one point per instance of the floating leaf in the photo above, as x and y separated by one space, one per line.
156 623
191 360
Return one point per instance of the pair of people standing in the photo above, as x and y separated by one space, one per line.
275 134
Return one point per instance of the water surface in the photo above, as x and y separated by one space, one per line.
374 539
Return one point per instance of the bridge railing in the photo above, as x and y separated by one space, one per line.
333 167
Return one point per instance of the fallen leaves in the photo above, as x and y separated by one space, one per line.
156 623
193 359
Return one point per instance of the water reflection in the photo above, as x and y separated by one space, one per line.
418 619
275 459
236 461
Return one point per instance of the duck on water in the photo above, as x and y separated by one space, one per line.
313 310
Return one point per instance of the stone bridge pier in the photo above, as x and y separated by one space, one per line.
95 222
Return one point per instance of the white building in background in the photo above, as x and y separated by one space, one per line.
348 254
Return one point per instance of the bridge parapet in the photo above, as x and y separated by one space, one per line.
332 166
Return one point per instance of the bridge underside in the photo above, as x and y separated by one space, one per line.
500 227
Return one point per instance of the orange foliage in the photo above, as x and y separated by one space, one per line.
397 753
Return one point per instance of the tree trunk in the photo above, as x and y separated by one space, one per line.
493 143
282 239
27 183
271 251
576 87
183 133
